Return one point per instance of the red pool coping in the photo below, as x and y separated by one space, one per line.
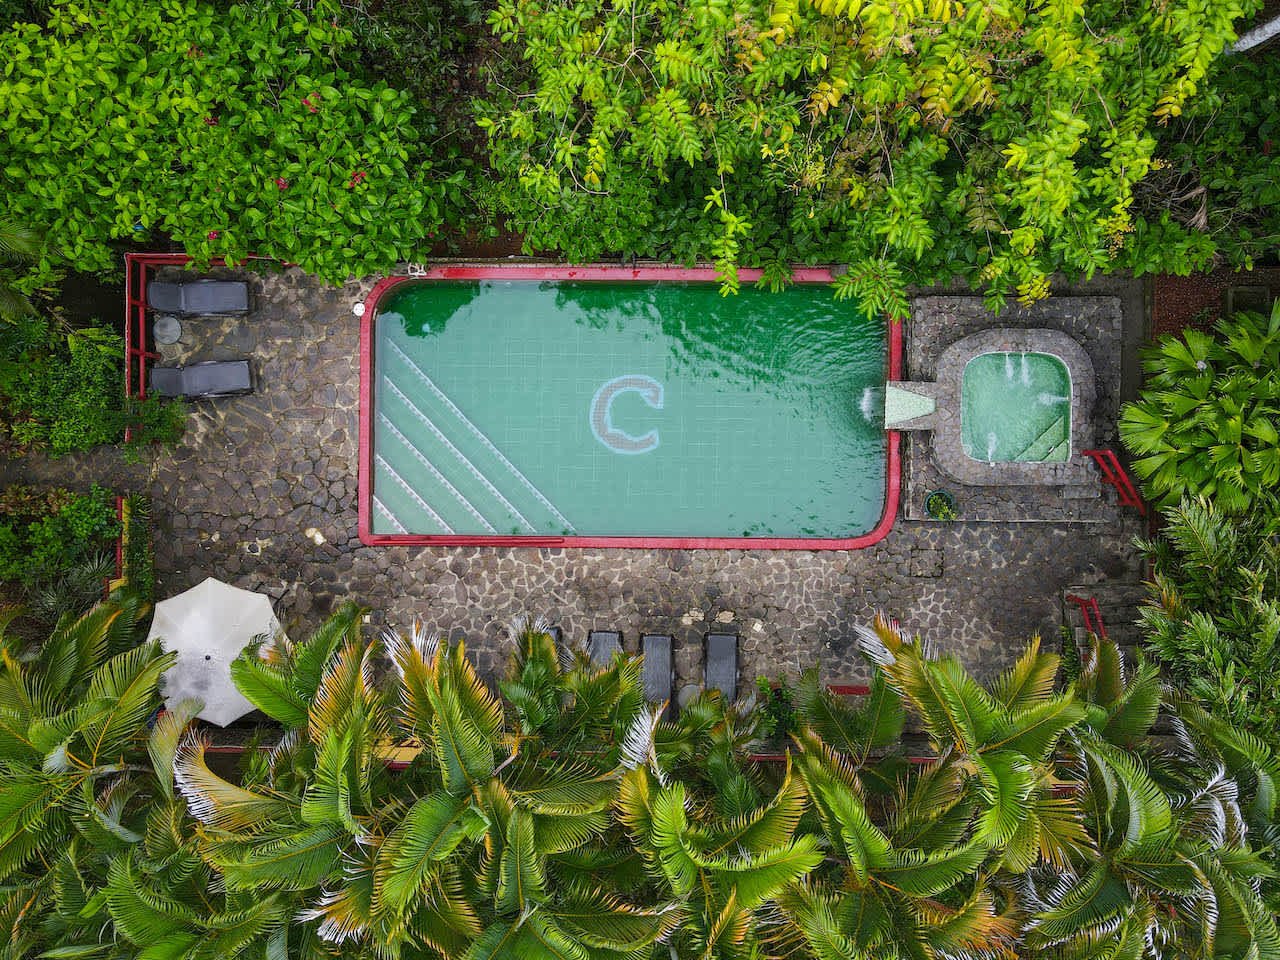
614 274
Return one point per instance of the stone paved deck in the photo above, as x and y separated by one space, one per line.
237 498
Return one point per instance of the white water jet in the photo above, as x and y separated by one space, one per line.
1008 366
991 447
868 403
1026 372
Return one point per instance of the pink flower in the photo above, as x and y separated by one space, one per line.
211 121
357 178
306 102
282 183
214 234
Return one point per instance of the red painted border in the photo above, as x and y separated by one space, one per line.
613 274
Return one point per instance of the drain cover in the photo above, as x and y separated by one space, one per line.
166 330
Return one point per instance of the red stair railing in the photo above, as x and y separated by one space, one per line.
1092 615
1114 474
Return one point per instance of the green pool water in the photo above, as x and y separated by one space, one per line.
599 409
1016 406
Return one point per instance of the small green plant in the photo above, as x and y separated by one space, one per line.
941 505
776 709
1207 422
152 420
139 549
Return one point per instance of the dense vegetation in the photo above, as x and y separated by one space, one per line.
563 819
61 390
910 142
230 129
1208 420
913 141
56 548
1205 430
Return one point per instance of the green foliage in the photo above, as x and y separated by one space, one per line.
1207 421
1047 822
51 541
776 708
1213 619
64 392
913 142
230 128
139 549
92 845
1216 188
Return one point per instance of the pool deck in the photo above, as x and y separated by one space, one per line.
262 493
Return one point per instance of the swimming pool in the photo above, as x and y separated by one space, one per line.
612 406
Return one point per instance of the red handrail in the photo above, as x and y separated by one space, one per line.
1092 615
1114 474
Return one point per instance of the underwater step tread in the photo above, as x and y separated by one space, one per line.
1050 439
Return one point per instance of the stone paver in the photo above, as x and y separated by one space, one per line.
262 493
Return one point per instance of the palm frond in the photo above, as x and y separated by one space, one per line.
216 802
162 745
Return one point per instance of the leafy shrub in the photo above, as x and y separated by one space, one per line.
65 392
1207 421
139 549
776 709
1213 619
57 548
231 128
1217 187
912 141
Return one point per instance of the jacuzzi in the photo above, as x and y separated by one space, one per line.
1009 406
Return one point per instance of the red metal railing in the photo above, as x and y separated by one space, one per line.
1092 615
1114 474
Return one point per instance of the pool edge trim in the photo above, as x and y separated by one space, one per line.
600 272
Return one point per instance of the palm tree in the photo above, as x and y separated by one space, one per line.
481 848
708 834
95 849
922 856
1174 869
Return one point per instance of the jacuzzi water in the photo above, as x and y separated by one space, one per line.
1016 406
536 408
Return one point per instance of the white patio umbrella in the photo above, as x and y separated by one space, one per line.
208 626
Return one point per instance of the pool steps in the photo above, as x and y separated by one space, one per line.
467 479
1042 447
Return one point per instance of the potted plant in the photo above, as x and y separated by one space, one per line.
941 505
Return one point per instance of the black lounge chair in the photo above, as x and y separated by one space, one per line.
658 672
602 645
198 297
721 664
202 381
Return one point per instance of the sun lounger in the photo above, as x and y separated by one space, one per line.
721 664
199 297
658 672
202 381
602 645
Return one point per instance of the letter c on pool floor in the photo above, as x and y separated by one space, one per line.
619 441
